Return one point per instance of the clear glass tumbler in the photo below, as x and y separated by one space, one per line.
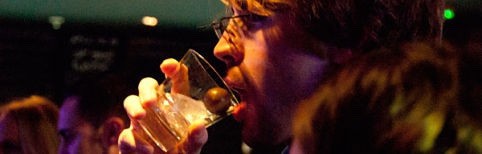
206 97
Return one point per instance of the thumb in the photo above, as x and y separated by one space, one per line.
197 137
130 142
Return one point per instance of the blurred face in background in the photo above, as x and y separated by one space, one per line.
77 135
271 72
9 137
27 125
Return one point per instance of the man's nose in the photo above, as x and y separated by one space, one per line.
226 50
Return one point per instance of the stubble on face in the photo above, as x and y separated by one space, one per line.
278 74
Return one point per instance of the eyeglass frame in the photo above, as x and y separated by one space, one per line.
219 27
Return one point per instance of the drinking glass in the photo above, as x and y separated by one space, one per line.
207 99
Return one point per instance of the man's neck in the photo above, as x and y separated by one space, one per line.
269 150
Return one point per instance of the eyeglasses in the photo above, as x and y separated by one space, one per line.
220 25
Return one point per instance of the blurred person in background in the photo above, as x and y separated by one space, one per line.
468 114
400 100
92 116
27 125
278 52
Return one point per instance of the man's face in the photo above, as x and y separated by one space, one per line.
77 135
271 74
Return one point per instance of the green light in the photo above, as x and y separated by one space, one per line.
449 14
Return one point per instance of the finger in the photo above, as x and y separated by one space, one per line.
170 67
148 91
129 142
133 107
135 112
197 137
178 74
126 142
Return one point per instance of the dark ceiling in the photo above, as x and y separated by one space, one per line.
179 13
173 13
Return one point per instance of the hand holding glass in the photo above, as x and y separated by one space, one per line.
203 96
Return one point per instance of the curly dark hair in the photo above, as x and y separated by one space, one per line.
362 25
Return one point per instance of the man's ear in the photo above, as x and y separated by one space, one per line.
111 129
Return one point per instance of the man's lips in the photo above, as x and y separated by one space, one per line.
239 112
235 81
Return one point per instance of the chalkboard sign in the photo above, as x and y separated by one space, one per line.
92 54
92 60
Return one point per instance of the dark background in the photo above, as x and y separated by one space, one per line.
35 59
